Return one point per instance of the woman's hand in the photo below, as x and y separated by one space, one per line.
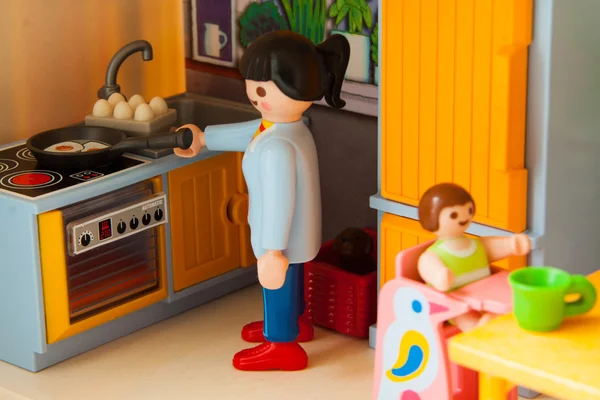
272 268
521 245
197 144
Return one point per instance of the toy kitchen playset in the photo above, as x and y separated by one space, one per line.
95 251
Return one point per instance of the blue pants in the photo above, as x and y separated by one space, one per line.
284 306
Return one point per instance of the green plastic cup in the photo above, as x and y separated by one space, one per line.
539 303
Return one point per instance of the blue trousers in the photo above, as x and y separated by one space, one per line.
284 306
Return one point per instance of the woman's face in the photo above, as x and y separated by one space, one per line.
273 104
455 220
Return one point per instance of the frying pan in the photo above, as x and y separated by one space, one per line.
116 140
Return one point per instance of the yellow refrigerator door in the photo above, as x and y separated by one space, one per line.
454 83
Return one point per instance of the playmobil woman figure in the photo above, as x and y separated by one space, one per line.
284 72
455 260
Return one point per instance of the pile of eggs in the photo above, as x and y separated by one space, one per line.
136 108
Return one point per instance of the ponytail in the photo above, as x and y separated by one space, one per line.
336 55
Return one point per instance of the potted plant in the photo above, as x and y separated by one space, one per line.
306 17
375 53
358 14
258 19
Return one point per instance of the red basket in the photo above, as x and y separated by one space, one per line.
337 299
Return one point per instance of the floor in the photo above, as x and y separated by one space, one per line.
189 357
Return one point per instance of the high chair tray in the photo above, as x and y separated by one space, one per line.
491 294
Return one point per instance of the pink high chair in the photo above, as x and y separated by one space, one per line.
411 359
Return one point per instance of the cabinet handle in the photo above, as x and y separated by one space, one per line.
237 209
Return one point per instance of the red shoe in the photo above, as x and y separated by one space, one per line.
254 331
272 356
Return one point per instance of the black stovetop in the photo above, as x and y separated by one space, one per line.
20 173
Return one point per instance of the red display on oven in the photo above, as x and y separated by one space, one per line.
105 229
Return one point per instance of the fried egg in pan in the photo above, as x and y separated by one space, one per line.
93 146
65 147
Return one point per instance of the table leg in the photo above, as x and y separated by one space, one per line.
493 388
527 393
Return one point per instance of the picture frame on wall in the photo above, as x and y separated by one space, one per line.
214 32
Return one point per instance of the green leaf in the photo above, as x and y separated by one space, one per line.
258 19
308 17
368 17
363 5
357 20
343 13
333 10
374 53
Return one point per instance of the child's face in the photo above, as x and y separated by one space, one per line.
455 220
273 104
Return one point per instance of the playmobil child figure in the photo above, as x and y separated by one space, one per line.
455 260
284 72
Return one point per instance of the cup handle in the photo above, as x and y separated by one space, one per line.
224 37
581 286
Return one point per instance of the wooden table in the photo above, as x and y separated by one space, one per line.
564 364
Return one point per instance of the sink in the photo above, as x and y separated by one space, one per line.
203 111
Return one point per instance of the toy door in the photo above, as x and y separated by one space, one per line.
411 360
205 243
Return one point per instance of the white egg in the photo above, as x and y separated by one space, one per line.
65 147
115 99
93 146
123 111
159 106
144 113
135 101
102 108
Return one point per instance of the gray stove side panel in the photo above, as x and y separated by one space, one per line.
21 298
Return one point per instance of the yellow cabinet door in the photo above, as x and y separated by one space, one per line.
399 233
204 242
453 102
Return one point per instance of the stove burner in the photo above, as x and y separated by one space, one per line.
87 175
25 155
34 179
22 176
7 165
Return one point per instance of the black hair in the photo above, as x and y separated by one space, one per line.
301 70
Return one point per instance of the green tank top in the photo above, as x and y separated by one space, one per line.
468 265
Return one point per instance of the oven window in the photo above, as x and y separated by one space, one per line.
117 272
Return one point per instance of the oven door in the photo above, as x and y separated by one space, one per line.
103 258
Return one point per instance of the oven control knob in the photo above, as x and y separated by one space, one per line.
158 214
134 223
122 227
146 219
86 238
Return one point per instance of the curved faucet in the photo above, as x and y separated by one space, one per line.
120 56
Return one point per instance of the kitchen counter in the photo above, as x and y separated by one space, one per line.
22 311
198 264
